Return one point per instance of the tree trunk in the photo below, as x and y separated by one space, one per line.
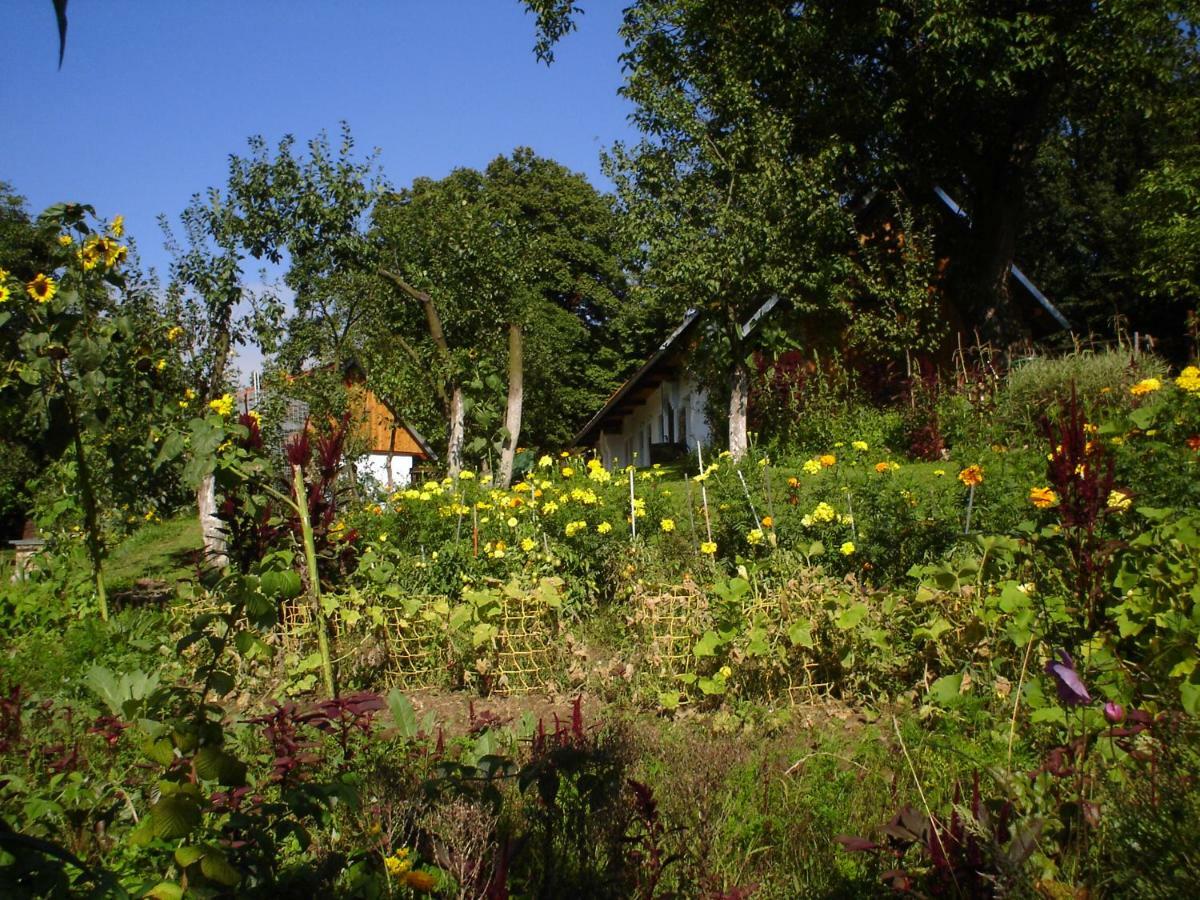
516 396
985 284
739 402
458 423
212 532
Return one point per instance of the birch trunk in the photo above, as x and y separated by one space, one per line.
739 402
516 396
211 530
458 422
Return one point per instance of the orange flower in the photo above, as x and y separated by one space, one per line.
1042 497
883 468
828 460
971 476
768 522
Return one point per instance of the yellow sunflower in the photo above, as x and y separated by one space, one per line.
42 288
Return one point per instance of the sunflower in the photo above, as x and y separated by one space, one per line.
118 226
4 293
42 288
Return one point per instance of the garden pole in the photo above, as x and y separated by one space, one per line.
749 502
314 582
704 494
632 507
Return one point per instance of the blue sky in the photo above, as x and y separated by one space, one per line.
155 94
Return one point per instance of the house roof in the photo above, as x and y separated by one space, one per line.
652 366
637 378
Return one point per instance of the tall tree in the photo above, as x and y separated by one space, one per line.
962 94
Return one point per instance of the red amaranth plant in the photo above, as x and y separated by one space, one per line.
1081 472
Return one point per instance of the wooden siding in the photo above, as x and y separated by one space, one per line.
380 428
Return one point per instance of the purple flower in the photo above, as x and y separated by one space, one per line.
1071 689
1114 712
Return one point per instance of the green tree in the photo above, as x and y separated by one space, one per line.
967 95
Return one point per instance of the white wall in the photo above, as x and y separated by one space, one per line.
376 465
645 426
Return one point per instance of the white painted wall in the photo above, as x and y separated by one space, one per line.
645 425
376 465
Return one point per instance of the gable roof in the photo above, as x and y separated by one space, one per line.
660 356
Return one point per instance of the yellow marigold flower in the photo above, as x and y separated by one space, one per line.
824 513
5 293
860 446
1145 386
528 544
522 488
567 472
512 522
768 522
827 460
421 882
223 405
550 508
708 548
971 476
604 528
939 473
42 288
667 525
793 482
754 537
1043 497
1119 501
847 549
811 467
65 240
466 475
117 228
1189 380
573 528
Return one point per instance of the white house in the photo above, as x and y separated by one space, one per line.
658 414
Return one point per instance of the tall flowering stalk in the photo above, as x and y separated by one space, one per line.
1080 472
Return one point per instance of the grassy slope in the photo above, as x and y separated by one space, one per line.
159 551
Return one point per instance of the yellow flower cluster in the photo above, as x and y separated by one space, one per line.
223 405
1119 501
1145 386
822 514
708 548
667 525
398 863
1189 380
573 528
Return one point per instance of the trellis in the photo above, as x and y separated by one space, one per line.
670 620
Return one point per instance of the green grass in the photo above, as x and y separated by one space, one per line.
160 551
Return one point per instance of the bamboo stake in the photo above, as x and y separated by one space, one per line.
314 581
704 494
632 507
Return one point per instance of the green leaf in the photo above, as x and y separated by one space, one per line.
174 816
160 751
800 634
851 616
1189 694
185 856
165 890
216 764
215 866
947 690
707 645
404 717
